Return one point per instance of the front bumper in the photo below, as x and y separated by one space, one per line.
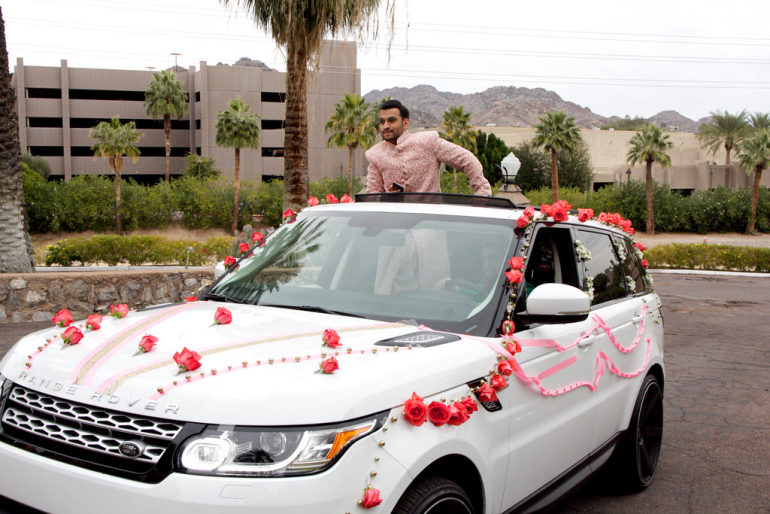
56 487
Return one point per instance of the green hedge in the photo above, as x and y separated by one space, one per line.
709 257
718 210
135 251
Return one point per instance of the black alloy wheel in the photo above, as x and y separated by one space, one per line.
434 495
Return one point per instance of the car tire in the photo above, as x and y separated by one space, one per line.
434 495
637 456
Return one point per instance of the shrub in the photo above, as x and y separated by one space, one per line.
336 186
37 164
145 206
709 257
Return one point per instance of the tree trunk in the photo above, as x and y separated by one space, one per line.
454 180
295 172
554 176
728 170
116 163
350 173
650 213
16 255
167 134
754 198
236 188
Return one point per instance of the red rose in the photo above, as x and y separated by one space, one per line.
63 318
371 498
94 322
516 262
546 209
585 215
560 215
329 366
458 414
562 204
498 382
257 237
119 311
522 222
487 394
146 344
644 263
469 404
312 201
222 316
229 261
288 213
631 231
529 212
514 276
330 198
346 199
191 298
415 410
187 360
513 347
243 247
506 367
508 327
331 338
72 336
640 246
438 413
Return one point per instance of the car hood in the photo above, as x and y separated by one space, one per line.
104 370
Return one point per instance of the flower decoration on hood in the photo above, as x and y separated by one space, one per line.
330 198
222 316
458 414
371 498
146 344
331 338
439 413
346 199
191 298
119 311
415 410
94 322
72 336
187 360
329 366
312 201
62 319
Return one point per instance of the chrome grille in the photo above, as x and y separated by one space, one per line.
87 427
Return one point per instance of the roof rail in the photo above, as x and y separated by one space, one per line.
439 198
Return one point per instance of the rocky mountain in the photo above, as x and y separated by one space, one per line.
508 106
250 63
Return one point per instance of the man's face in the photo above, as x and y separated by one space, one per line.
392 125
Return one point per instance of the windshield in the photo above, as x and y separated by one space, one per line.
445 272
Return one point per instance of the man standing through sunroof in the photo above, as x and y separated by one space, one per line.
409 162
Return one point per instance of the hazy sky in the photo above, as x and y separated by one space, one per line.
616 57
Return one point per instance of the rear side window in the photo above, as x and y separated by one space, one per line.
633 267
603 271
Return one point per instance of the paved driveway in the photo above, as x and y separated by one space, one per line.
716 442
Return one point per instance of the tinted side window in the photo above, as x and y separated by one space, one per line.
603 268
632 267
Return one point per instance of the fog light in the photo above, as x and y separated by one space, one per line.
207 454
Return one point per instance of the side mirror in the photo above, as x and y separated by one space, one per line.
556 303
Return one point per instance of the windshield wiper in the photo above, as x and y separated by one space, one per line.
311 308
221 298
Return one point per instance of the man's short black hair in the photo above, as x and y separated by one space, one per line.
395 104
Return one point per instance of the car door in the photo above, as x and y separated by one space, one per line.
551 423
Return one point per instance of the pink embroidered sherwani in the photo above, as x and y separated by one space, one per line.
414 163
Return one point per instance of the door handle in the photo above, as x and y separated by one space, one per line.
637 319
585 342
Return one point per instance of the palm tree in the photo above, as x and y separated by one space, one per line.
236 129
116 140
17 252
649 145
300 28
556 133
759 120
725 130
351 127
165 97
457 128
755 156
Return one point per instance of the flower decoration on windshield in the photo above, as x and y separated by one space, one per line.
415 410
72 336
188 360
243 247
94 322
516 263
371 498
146 344
328 366
514 276
439 413
63 318
119 311
312 201
583 254
222 317
289 216
585 215
346 199
330 198
257 237
229 261
331 338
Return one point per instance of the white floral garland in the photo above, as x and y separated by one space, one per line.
582 252
621 251
589 287
631 283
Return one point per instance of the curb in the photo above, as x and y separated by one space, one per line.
708 273
48 269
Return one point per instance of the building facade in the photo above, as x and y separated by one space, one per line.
58 106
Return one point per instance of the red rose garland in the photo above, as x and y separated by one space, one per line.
243 247
190 298
312 201
438 413
330 198
94 322
346 199
62 319
415 410
72 336
229 261
458 414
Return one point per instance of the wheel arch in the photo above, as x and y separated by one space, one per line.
461 470
656 370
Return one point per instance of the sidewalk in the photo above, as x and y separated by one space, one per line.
715 238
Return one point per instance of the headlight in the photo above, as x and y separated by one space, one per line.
268 452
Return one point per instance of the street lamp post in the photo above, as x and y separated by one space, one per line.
150 68
199 168
175 54
628 172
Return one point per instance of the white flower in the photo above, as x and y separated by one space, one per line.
588 287
621 251
582 252
631 284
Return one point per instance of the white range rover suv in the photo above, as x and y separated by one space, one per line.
407 353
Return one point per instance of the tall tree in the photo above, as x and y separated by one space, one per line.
351 127
16 254
237 129
457 128
490 152
165 97
725 130
556 133
300 26
759 120
755 156
116 140
648 146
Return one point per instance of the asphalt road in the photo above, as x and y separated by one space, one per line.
716 439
